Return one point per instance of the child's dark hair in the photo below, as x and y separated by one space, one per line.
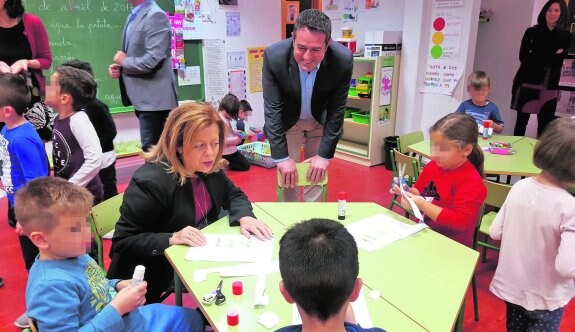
245 106
14 92
555 151
319 266
231 105
462 129
478 79
79 64
78 83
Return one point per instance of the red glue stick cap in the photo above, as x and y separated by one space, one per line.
233 318
342 195
237 288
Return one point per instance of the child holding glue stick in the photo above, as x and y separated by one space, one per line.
454 179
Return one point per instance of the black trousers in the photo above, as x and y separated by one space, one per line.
237 161
108 177
544 117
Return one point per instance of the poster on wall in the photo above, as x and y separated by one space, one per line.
385 91
565 104
332 9
189 76
215 79
255 65
236 59
445 35
202 19
232 24
568 73
441 77
292 11
350 10
178 60
237 83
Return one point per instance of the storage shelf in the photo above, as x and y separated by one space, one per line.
359 98
353 148
353 123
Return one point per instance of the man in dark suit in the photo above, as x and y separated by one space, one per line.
144 67
305 84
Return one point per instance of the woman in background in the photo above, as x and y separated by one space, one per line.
543 48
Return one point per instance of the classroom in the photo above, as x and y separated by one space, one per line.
391 165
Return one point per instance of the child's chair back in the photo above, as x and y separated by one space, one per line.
302 169
104 217
408 139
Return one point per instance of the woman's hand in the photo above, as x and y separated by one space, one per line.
189 236
19 66
249 225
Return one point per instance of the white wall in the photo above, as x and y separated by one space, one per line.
497 51
260 26
388 16
417 110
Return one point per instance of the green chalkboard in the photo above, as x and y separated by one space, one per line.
91 30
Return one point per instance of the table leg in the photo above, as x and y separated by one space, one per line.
178 289
459 322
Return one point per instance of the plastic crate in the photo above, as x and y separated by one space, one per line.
360 117
257 153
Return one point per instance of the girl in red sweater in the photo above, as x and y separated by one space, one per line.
454 179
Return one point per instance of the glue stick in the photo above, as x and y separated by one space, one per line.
138 276
341 201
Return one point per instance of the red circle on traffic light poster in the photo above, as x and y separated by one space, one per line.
439 24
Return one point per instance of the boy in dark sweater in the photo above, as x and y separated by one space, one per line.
99 115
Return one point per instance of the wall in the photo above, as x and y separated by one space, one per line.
417 110
260 26
388 16
497 51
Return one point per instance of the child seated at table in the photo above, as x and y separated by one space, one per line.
319 268
67 290
536 226
452 181
479 107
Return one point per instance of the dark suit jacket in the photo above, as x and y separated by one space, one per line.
282 95
154 207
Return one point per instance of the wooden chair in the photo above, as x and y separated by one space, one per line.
103 220
406 140
411 171
496 195
302 169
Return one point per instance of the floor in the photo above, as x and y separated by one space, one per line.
362 184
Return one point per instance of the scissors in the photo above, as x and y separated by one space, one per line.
215 296
400 178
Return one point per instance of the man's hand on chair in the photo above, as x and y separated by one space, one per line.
288 172
318 169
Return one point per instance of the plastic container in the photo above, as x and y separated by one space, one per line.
389 143
257 153
360 117
138 276
501 148
341 204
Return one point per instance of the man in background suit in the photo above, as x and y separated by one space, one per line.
144 67
305 84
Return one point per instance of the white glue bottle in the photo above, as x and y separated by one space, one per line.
138 276
341 201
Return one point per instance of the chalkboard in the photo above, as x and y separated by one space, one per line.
91 30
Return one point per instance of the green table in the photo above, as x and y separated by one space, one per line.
425 276
383 313
520 163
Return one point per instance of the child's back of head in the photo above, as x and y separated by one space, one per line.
14 92
78 83
231 105
79 64
319 266
555 151
245 106
461 129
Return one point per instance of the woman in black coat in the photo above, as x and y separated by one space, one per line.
543 48
178 191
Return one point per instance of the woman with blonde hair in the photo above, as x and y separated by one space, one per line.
179 190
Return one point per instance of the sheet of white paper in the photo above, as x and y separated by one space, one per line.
379 230
361 312
260 298
231 248
241 270
414 207
269 319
